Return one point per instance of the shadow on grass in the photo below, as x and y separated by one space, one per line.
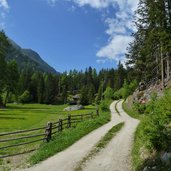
25 107
12 118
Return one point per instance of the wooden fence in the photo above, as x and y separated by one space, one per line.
30 136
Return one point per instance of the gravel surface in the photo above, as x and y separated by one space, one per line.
69 158
117 154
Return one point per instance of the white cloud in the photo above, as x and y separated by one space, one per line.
114 27
52 2
4 4
119 27
94 3
101 61
4 7
116 48
131 4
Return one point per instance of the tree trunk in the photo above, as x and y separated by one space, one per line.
1 103
168 67
6 97
162 68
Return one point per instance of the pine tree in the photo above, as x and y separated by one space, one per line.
150 51
3 65
11 82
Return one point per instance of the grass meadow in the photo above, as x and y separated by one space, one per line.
28 116
19 116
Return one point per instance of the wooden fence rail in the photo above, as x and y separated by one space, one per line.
22 131
49 130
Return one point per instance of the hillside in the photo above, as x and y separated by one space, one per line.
29 58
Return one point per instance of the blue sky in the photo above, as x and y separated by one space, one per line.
71 34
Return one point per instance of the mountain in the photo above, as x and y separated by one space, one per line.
28 58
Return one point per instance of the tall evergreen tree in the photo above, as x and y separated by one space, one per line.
3 65
11 82
150 51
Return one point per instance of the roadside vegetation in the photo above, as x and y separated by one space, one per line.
28 116
69 136
153 135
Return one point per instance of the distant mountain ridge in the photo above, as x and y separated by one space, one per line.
29 58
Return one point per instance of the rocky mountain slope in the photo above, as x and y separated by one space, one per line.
28 58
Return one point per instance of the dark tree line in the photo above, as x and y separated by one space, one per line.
54 89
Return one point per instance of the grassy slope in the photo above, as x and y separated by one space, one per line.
131 111
143 152
18 117
68 137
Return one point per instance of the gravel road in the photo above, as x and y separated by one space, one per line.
69 158
117 154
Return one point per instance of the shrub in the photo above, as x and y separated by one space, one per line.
132 86
104 105
25 97
118 94
154 130
108 94
125 90
140 108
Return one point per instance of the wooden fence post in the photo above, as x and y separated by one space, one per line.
69 120
48 132
92 115
60 125
97 111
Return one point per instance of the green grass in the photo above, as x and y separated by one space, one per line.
68 137
101 144
111 133
131 111
19 117
137 161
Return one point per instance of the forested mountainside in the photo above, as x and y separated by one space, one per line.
27 58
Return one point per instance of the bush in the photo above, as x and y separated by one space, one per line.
154 130
125 90
25 97
158 118
156 133
104 105
118 94
108 94
140 108
132 86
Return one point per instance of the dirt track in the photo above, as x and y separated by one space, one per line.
116 156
